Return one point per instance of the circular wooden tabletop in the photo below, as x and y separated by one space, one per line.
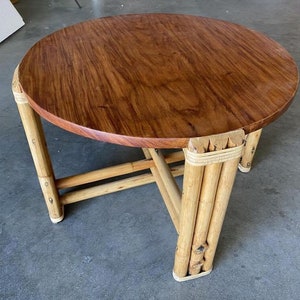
156 80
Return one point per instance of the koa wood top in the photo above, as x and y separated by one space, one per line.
156 80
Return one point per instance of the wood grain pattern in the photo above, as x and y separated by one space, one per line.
157 80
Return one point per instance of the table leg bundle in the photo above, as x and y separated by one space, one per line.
210 168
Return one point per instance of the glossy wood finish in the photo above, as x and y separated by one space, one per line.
157 80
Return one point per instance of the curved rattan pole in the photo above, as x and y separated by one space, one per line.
37 144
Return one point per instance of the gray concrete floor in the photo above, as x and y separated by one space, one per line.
121 246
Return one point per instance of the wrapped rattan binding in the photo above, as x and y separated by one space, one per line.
203 151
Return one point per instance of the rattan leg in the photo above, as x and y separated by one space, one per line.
190 200
226 181
166 184
206 205
211 166
252 140
36 140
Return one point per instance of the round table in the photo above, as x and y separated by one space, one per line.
158 81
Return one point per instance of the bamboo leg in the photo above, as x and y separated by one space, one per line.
36 140
222 198
206 204
167 178
190 199
252 140
172 203
211 165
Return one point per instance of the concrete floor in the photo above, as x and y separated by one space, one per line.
121 246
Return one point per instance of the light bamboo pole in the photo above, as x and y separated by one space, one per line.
172 209
166 184
37 144
206 204
167 178
252 140
192 182
224 189
205 163
115 186
118 170
222 198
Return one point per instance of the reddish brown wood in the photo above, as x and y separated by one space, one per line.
156 80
